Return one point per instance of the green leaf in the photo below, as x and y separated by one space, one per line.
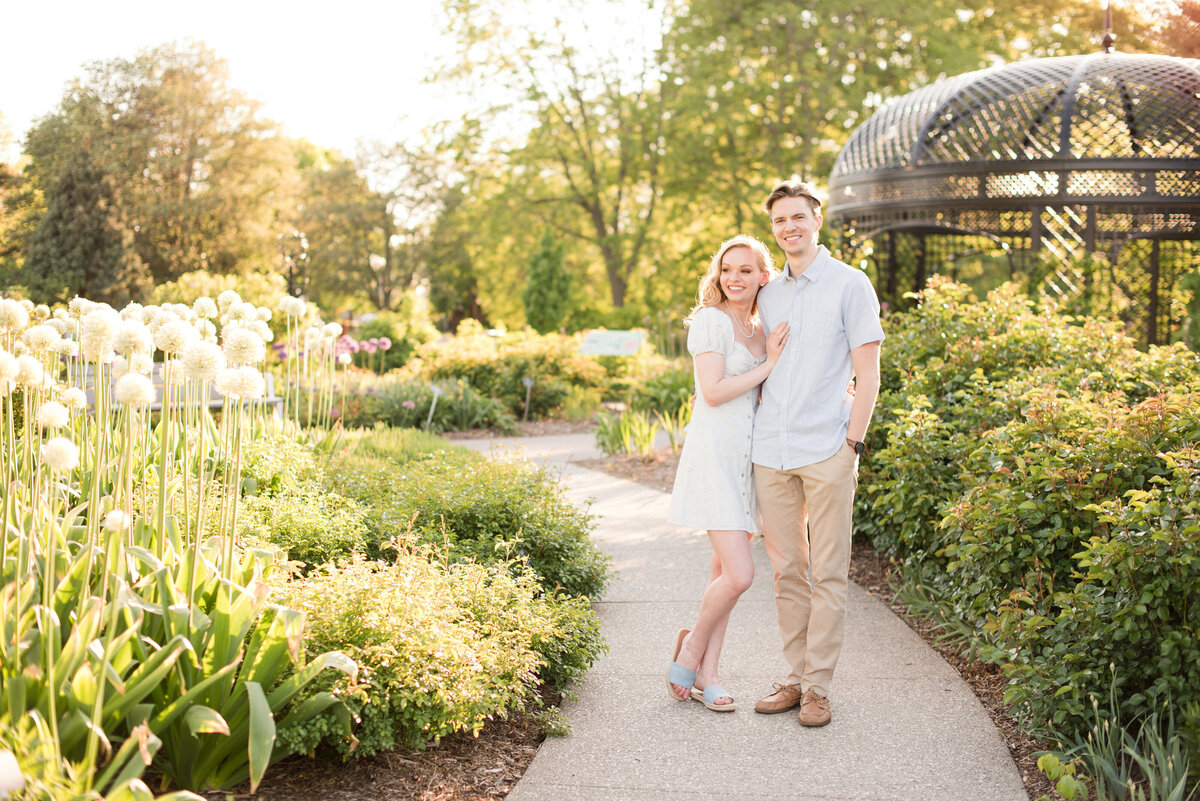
262 734
202 719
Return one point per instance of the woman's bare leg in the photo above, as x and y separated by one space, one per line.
733 572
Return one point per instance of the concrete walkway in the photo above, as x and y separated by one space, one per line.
905 725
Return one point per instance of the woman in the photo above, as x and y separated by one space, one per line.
713 487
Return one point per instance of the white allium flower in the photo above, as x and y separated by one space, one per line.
66 347
243 346
60 454
227 299
135 389
52 414
332 330
174 336
205 308
148 313
203 360
134 337
58 325
207 331
30 371
41 311
99 331
172 373
116 521
264 314
28 304
133 311
13 316
344 359
79 306
18 348
242 312
182 309
62 314
312 338
74 398
8 366
120 367
245 383
262 329
142 363
293 307
40 338
161 318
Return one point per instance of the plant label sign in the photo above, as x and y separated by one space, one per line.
611 343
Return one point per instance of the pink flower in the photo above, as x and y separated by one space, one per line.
385 343
409 404
374 341
368 346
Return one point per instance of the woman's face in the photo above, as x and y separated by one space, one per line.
741 275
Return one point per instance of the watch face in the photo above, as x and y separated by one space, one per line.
860 448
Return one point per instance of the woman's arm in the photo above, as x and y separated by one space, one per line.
717 388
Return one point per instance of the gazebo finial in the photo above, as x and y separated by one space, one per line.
1109 38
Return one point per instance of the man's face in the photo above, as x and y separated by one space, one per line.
795 224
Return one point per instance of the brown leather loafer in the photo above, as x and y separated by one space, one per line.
814 710
782 698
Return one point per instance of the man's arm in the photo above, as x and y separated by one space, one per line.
865 359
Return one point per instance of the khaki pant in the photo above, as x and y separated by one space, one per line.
807 528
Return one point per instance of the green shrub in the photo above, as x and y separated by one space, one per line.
1039 478
401 445
663 391
275 461
312 524
496 368
1129 618
1014 451
406 403
441 647
484 510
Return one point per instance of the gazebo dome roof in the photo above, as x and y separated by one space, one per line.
1047 113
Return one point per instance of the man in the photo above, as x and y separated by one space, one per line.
808 435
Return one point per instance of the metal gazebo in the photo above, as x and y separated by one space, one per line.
1044 159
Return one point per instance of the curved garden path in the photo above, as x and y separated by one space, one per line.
905 725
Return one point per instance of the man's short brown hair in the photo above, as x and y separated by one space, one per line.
793 188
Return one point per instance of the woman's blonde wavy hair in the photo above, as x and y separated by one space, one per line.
710 293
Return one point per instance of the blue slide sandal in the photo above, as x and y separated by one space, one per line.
677 673
709 698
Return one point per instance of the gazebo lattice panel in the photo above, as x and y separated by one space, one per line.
1053 156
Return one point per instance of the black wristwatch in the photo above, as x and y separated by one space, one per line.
859 446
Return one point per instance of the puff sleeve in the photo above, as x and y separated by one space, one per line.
711 332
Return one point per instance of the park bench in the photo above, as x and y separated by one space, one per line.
215 400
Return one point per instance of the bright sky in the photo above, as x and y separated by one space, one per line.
332 72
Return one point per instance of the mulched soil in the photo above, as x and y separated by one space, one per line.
460 768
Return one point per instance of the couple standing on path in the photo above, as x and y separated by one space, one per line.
795 453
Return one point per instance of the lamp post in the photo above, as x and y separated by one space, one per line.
293 249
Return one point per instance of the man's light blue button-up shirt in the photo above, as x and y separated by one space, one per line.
805 411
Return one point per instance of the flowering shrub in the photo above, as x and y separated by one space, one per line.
441 648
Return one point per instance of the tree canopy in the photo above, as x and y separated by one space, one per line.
637 134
